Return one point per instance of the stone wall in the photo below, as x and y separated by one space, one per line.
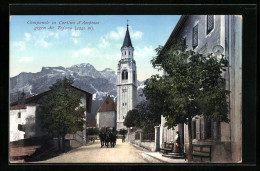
149 145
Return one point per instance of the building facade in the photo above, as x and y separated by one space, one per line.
126 81
24 121
220 35
106 114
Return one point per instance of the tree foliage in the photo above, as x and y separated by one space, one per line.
60 112
122 131
143 117
194 85
131 118
92 131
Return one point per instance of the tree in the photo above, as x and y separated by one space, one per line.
122 131
193 86
143 116
148 117
60 112
131 119
92 131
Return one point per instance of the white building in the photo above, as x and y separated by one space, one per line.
203 33
126 81
24 120
106 114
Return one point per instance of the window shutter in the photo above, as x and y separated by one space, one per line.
203 130
195 37
193 129
198 129
210 23
208 128
215 130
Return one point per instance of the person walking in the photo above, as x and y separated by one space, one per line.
123 138
177 142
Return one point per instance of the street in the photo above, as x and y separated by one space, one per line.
93 153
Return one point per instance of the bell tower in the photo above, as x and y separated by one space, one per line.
126 81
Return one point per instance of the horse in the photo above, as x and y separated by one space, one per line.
102 139
112 139
107 139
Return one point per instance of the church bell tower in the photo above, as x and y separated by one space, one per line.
126 81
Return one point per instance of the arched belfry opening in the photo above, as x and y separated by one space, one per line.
124 75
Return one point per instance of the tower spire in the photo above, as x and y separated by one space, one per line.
127 41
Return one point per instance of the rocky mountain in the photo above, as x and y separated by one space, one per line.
86 77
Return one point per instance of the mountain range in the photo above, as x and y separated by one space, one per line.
86 77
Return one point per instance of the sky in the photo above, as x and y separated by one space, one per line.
66 40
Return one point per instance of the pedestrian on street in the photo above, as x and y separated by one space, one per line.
123 138
177 142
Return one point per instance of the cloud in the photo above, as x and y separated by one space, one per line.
27 36
145 52
45 38
75 33
25 59
116 35
120 33
103 43
137 35
91 52
75 41
20 44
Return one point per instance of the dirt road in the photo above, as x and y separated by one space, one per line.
121 153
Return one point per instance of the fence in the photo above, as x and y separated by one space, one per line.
140 139
149 137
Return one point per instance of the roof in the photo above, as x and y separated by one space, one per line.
107 105
17 107
32 98
174 34
127 41
92 124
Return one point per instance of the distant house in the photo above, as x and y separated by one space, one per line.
93 124
207 34
24 120
106 114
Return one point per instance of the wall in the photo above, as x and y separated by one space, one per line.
149 145
27 117
106 119
235 58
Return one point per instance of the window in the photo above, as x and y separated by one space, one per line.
210 23
129 52
184 41
123 117
124 75
19 114
203 129
21 127
125 52
195 37
134 76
